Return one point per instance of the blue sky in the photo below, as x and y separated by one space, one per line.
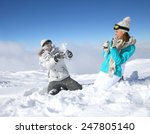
72 21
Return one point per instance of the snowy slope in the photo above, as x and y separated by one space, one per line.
22 94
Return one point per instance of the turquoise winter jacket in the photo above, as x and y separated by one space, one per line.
119 58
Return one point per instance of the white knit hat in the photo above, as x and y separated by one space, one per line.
44 41
124 25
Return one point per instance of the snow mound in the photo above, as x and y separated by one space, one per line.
24 94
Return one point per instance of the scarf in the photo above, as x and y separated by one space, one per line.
119 44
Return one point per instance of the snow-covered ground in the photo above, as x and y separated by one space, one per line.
23 94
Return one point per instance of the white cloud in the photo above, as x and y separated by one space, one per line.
142 51
14 57
87 59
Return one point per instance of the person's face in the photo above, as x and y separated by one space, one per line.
119 33
47 46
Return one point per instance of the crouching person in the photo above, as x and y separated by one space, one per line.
52 58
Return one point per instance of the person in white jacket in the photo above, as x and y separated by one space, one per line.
52 58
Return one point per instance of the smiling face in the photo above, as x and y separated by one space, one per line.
47 46
119 33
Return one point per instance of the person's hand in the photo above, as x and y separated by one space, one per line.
114 42
69 54
57 56
106 46
46 55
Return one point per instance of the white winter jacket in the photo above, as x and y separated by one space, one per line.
57 71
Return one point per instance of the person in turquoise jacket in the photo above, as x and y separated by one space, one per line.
116 53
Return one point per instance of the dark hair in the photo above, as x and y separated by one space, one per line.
48 41
125 37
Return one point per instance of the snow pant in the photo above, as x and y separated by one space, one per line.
104 81
65 84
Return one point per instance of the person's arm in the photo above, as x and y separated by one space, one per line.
57 54
122 58
67 54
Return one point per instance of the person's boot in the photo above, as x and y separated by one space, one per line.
54 91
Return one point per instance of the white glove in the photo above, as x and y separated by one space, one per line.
46 55
106 46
